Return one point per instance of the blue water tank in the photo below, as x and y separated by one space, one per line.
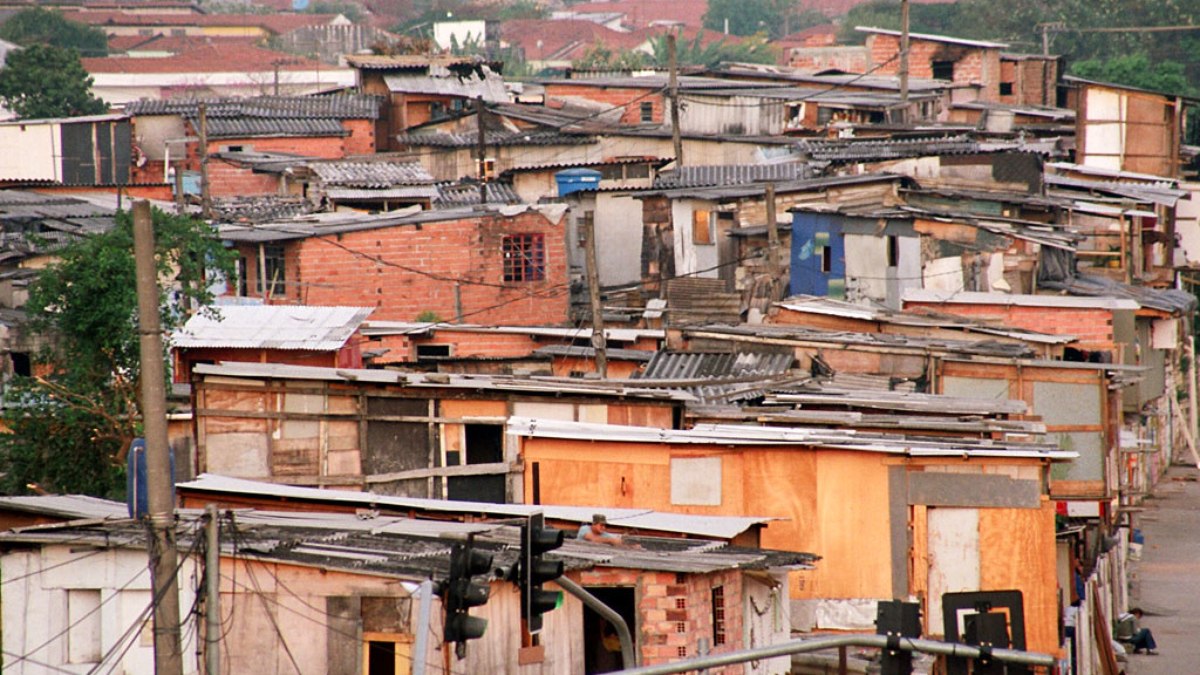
136 493
574 180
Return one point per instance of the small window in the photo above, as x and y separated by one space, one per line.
647 110
893 250
718 615
637 171
430 352
1006 88
274 276
610 172
235 148
826 259
242 283
701 228
524 257
943 70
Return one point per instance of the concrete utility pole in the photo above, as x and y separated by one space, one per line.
481 149
212 589
673 87
160 497
593 279
205 195
904 58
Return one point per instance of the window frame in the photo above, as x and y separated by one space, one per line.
524 257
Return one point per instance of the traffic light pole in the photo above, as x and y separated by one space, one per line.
817 644
628 654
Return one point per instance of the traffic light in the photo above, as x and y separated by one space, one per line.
461 593
533 571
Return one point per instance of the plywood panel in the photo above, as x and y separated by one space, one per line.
918 557
972 387
238 455
1017 551
953 541
659 417
546 411
696 481
224 425
797 504
854 534
452 408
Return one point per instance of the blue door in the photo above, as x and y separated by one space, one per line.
818 255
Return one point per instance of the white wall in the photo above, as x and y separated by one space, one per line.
31 152
618 239
35 612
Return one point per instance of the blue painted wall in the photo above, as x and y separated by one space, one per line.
812 234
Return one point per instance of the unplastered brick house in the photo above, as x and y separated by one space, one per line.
486 264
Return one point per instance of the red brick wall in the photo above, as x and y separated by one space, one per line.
406 270
675 611
971 65
630 98
230 180
1093 327
361 140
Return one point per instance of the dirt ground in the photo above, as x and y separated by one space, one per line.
1166 582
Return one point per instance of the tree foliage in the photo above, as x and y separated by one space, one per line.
694 52
71 425
37 26
45 81
1135 70
351 10
745 17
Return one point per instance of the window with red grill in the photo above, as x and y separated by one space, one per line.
524 257
718 615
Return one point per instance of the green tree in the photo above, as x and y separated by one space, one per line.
602 57
37 26
44 81
746 17
71 426
753 49
351 10
1136 70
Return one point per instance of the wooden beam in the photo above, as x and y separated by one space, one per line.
446 471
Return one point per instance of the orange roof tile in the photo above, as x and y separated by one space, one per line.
274 23
211 58
643 13
542 39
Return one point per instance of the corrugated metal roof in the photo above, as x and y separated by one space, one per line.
1162 299
640 355
320 329
335 106
453 195
489 86
66 506
646 520
371 174
730 174
844 439
492 138
720 192
409 192
934 38
715 365
1056 300
549 385
373 328
874 149
900 344
239 127
1164 194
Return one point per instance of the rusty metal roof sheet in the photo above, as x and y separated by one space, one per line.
337 106
288 327
731 174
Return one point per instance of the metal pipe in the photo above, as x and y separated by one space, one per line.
424 612
833 642
628 654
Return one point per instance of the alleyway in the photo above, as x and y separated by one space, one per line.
1167 580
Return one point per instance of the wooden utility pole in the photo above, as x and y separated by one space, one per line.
772 237
205 194
481 150
180 198
160 492
593 278
673 87
904 58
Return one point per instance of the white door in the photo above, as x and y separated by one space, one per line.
953 559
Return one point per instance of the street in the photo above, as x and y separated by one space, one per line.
1166 583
